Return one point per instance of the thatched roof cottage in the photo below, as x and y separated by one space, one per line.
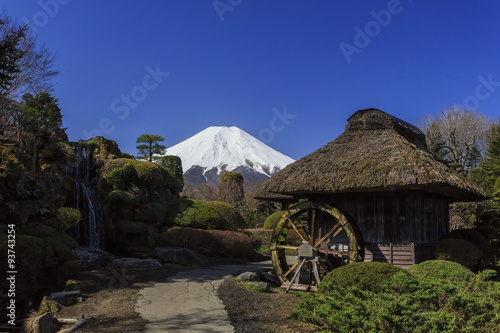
380 173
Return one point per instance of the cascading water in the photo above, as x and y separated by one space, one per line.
88 232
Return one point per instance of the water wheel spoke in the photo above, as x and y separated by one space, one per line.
289 247
297 230
335 227
292 268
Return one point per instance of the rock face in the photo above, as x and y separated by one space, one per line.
179 255
135 264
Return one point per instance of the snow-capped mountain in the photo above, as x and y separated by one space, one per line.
206 155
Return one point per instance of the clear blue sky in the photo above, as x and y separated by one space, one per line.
233 65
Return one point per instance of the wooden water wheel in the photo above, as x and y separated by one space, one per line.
320 237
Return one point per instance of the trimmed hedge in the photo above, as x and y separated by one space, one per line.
365 275
441 270
272 220
229 213
459 251
202 215
219 243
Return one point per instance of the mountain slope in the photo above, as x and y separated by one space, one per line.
206 155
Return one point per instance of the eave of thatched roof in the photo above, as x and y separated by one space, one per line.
276 197
376 152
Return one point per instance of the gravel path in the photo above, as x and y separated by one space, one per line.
187 302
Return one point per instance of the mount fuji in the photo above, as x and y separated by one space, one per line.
206 155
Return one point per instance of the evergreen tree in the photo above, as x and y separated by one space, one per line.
493 162
10 55
149 145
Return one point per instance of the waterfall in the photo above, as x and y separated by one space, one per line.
88 232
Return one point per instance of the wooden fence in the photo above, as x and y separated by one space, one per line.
400 254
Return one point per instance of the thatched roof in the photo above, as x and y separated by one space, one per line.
269 196
376 152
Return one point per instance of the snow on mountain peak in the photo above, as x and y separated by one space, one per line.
222 148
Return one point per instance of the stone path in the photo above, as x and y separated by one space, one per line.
187 302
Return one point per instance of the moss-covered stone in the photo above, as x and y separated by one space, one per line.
122 178
49 305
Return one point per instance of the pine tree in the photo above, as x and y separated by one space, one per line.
149 146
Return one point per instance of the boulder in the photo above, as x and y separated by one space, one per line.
48 305
179 255
264 285
248 276
135 264
43 323
21 192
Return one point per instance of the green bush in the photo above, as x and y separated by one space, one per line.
124 197
173 165
152 213
61 244
36 265
441 270
459 251
364 275
229 213
272 220
133 227
427 303
201 215
68 217
122 178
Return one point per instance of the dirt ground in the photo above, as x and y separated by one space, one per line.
249 311
257 312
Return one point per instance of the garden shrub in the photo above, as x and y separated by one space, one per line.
152 213
220 243
272 220
123 197
427 302
61 243
441 270
229 213
173 164
364 275
176 207
122 178
459 251
68 217
201 215
133 227
36 265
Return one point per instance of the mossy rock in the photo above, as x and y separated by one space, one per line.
229 213
105 147
40 231
459 251
441 270
123 197
272 220
49 305
365 275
